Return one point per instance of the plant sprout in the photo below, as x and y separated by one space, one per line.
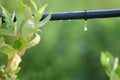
111 65
18 36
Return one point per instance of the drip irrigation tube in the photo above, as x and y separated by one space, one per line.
81 15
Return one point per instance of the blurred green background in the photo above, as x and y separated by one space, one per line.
66 51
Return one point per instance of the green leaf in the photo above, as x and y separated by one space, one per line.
107 60
6 32
7 50
34 5
13 16
25 22
28 30
20 3
9 40
116 62
38 14
33 42
44 21
22 14
19 44
2 67
118 71
6 14
111 65
8 18
41 10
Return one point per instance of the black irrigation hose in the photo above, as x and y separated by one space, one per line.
82 15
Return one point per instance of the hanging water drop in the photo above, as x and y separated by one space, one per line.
69 20
85 27
61 20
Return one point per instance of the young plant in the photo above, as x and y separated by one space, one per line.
111 65
18 36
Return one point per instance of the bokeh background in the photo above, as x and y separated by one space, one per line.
66 51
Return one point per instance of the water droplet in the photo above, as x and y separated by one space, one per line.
61 20
69 20
85 27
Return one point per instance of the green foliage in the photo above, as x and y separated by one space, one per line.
66 52
111 66
8 19
6 32
23 33
19 44
33 42
38 12
8 50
